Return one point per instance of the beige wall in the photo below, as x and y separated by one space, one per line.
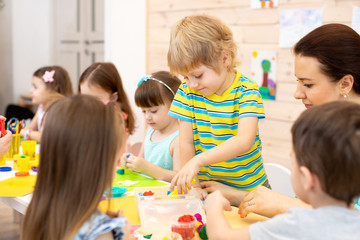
253 30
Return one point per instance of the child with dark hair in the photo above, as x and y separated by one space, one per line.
159 157
325 174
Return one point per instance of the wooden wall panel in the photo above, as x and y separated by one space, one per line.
253 29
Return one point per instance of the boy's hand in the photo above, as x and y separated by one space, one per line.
217 200
183 178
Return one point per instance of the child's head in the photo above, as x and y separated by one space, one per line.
50 80
154 96
200 40
156 89
103 81
326 141
81 143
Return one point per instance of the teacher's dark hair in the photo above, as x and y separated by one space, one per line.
337 48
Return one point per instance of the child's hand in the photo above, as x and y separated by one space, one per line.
217 200
136 164
200 192
118 214
123 159
127 227
183 178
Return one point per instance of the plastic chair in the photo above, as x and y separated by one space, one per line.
279 178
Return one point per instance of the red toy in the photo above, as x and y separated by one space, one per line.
2 128
148 193
185 226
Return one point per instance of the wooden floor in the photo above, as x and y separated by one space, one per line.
9 230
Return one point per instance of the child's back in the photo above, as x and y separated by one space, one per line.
82 143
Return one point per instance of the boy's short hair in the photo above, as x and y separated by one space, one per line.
326 140
200 39
151 93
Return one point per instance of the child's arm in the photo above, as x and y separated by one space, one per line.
126 228
139 164
35 134
217 226
234 146
233 195
175 153
187 151
186 139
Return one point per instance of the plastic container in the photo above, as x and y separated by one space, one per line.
28 148
155 211
186 228
15 146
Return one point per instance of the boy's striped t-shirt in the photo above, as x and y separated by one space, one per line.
214 120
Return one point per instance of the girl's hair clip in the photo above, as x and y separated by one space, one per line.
144 79
49 76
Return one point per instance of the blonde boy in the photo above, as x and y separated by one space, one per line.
218 107
325 174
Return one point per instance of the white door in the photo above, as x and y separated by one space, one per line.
79 35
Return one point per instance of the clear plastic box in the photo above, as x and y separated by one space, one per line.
155 211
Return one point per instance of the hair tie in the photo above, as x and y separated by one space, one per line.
147 77
49 76
144 79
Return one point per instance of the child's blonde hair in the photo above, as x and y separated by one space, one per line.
200 39
79 144
156 89
61 82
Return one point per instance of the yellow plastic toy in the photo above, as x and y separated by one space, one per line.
175 192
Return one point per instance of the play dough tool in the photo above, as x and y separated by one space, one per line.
5 169
175 192
116 192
